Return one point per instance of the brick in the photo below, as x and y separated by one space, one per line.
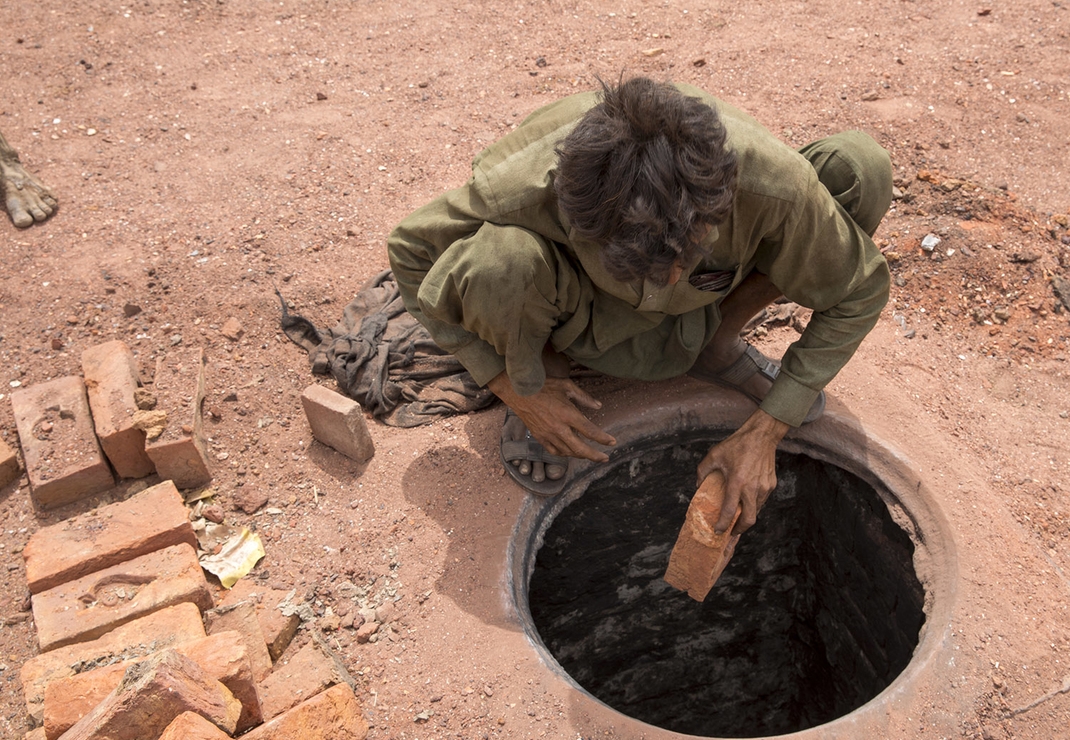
278 628
151 694
192 726
700 554
222 656
110 372
314 668
151 520
89 606
179 452
10 469
63 460
157 631
334 714
241 618
338 422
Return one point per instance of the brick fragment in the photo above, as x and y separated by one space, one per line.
108 535
241 618
192 726
338 422
38 734
334 714
111 379
89 606
63 460
162 629
151 694
278 628
222 656
314 668
10 469
179 452
700 555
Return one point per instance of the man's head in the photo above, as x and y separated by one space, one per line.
645 173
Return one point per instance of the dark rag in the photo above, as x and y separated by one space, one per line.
384 359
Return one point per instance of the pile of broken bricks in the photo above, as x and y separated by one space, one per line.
132 644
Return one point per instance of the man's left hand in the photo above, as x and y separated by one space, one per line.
747 460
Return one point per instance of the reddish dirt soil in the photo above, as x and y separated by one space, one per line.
205 152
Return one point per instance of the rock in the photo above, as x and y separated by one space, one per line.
131 309
249 499
232 329
364 634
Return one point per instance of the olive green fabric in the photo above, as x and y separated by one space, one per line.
493 270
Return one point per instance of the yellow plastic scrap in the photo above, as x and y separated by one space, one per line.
237 557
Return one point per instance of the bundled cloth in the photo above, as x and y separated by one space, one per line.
384 359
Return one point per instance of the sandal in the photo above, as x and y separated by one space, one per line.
746 365
529 449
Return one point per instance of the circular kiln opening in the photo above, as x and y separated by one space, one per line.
819 610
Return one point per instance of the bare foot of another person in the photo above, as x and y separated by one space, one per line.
27 198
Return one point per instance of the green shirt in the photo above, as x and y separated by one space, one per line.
493 270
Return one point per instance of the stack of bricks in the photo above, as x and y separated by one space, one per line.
121 607
78 434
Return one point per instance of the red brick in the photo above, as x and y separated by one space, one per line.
338 422
111 378
192 726
165 628
149 697
241 617
10 469
89 606
333 715
700 554
179 452
278 628
63 459
222 656
310 671
109 535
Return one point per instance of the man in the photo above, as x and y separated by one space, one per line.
27 199
636 232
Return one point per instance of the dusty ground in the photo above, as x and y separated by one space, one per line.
205 152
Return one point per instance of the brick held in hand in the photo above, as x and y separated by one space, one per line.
700 554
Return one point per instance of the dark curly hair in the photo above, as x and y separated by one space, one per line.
644 173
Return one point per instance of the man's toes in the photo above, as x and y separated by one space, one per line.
20 218
538 472
555 472
524 467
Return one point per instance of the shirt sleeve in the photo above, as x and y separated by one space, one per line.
490 294
823 260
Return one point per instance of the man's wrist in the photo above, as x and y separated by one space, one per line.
766 426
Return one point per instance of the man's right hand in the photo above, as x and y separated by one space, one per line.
552 416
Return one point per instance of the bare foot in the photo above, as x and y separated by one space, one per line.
27 198
514 430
